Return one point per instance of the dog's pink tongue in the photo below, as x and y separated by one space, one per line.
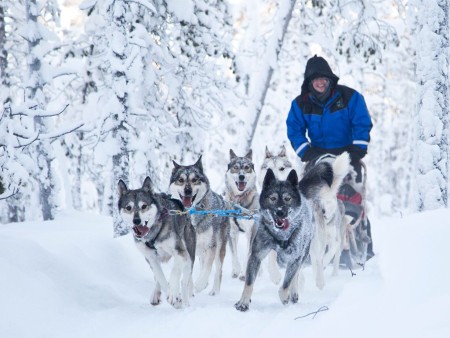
241 186
187 201
283 223
140 230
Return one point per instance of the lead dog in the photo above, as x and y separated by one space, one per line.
190 185
281 167
286 226
159 236
240 183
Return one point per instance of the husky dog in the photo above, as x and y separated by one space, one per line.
358 247
329 213
240 182
286 225
190 185
160 236
280 165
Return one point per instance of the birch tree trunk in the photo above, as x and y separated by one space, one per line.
119 44
272 58
36 98
3 52
433 106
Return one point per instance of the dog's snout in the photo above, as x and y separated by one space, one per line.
188 191
241 177
136 221
280 212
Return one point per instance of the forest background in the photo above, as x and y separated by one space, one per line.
97 90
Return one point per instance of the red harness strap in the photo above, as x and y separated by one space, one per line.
356 198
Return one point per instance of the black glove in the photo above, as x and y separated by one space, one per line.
310 154
356 152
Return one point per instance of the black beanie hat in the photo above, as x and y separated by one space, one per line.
317 66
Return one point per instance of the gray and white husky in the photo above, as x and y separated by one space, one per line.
280 165
286 225
160 235
240 183
190 185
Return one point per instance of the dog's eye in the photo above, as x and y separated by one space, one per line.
144 206
281 169
180 180
128 208
246 168
194 180
236 167
287 198
273 198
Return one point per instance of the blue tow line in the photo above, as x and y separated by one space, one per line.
240 213
236 213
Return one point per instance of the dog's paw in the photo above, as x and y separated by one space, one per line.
294 297
284 296
241 306
156 298
175 301
236 271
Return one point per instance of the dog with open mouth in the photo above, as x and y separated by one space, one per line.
161 234
286 226
241 190
190 185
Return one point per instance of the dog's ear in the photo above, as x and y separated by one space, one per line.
249 155
292 178
268 153
147 185
269 178
122 187
176 165
283 151
198 164
232 154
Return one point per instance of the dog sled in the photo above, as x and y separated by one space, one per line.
357 244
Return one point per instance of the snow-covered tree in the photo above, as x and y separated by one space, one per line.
28 114
432 41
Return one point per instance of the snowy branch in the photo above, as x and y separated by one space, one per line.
61 133
145 4
31 112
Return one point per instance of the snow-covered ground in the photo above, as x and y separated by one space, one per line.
71 278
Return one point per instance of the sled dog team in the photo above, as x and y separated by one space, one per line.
294 218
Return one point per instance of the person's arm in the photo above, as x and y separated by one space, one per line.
296 130
360 121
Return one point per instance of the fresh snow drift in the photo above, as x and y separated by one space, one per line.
71 278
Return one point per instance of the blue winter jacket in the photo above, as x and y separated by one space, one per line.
343 120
